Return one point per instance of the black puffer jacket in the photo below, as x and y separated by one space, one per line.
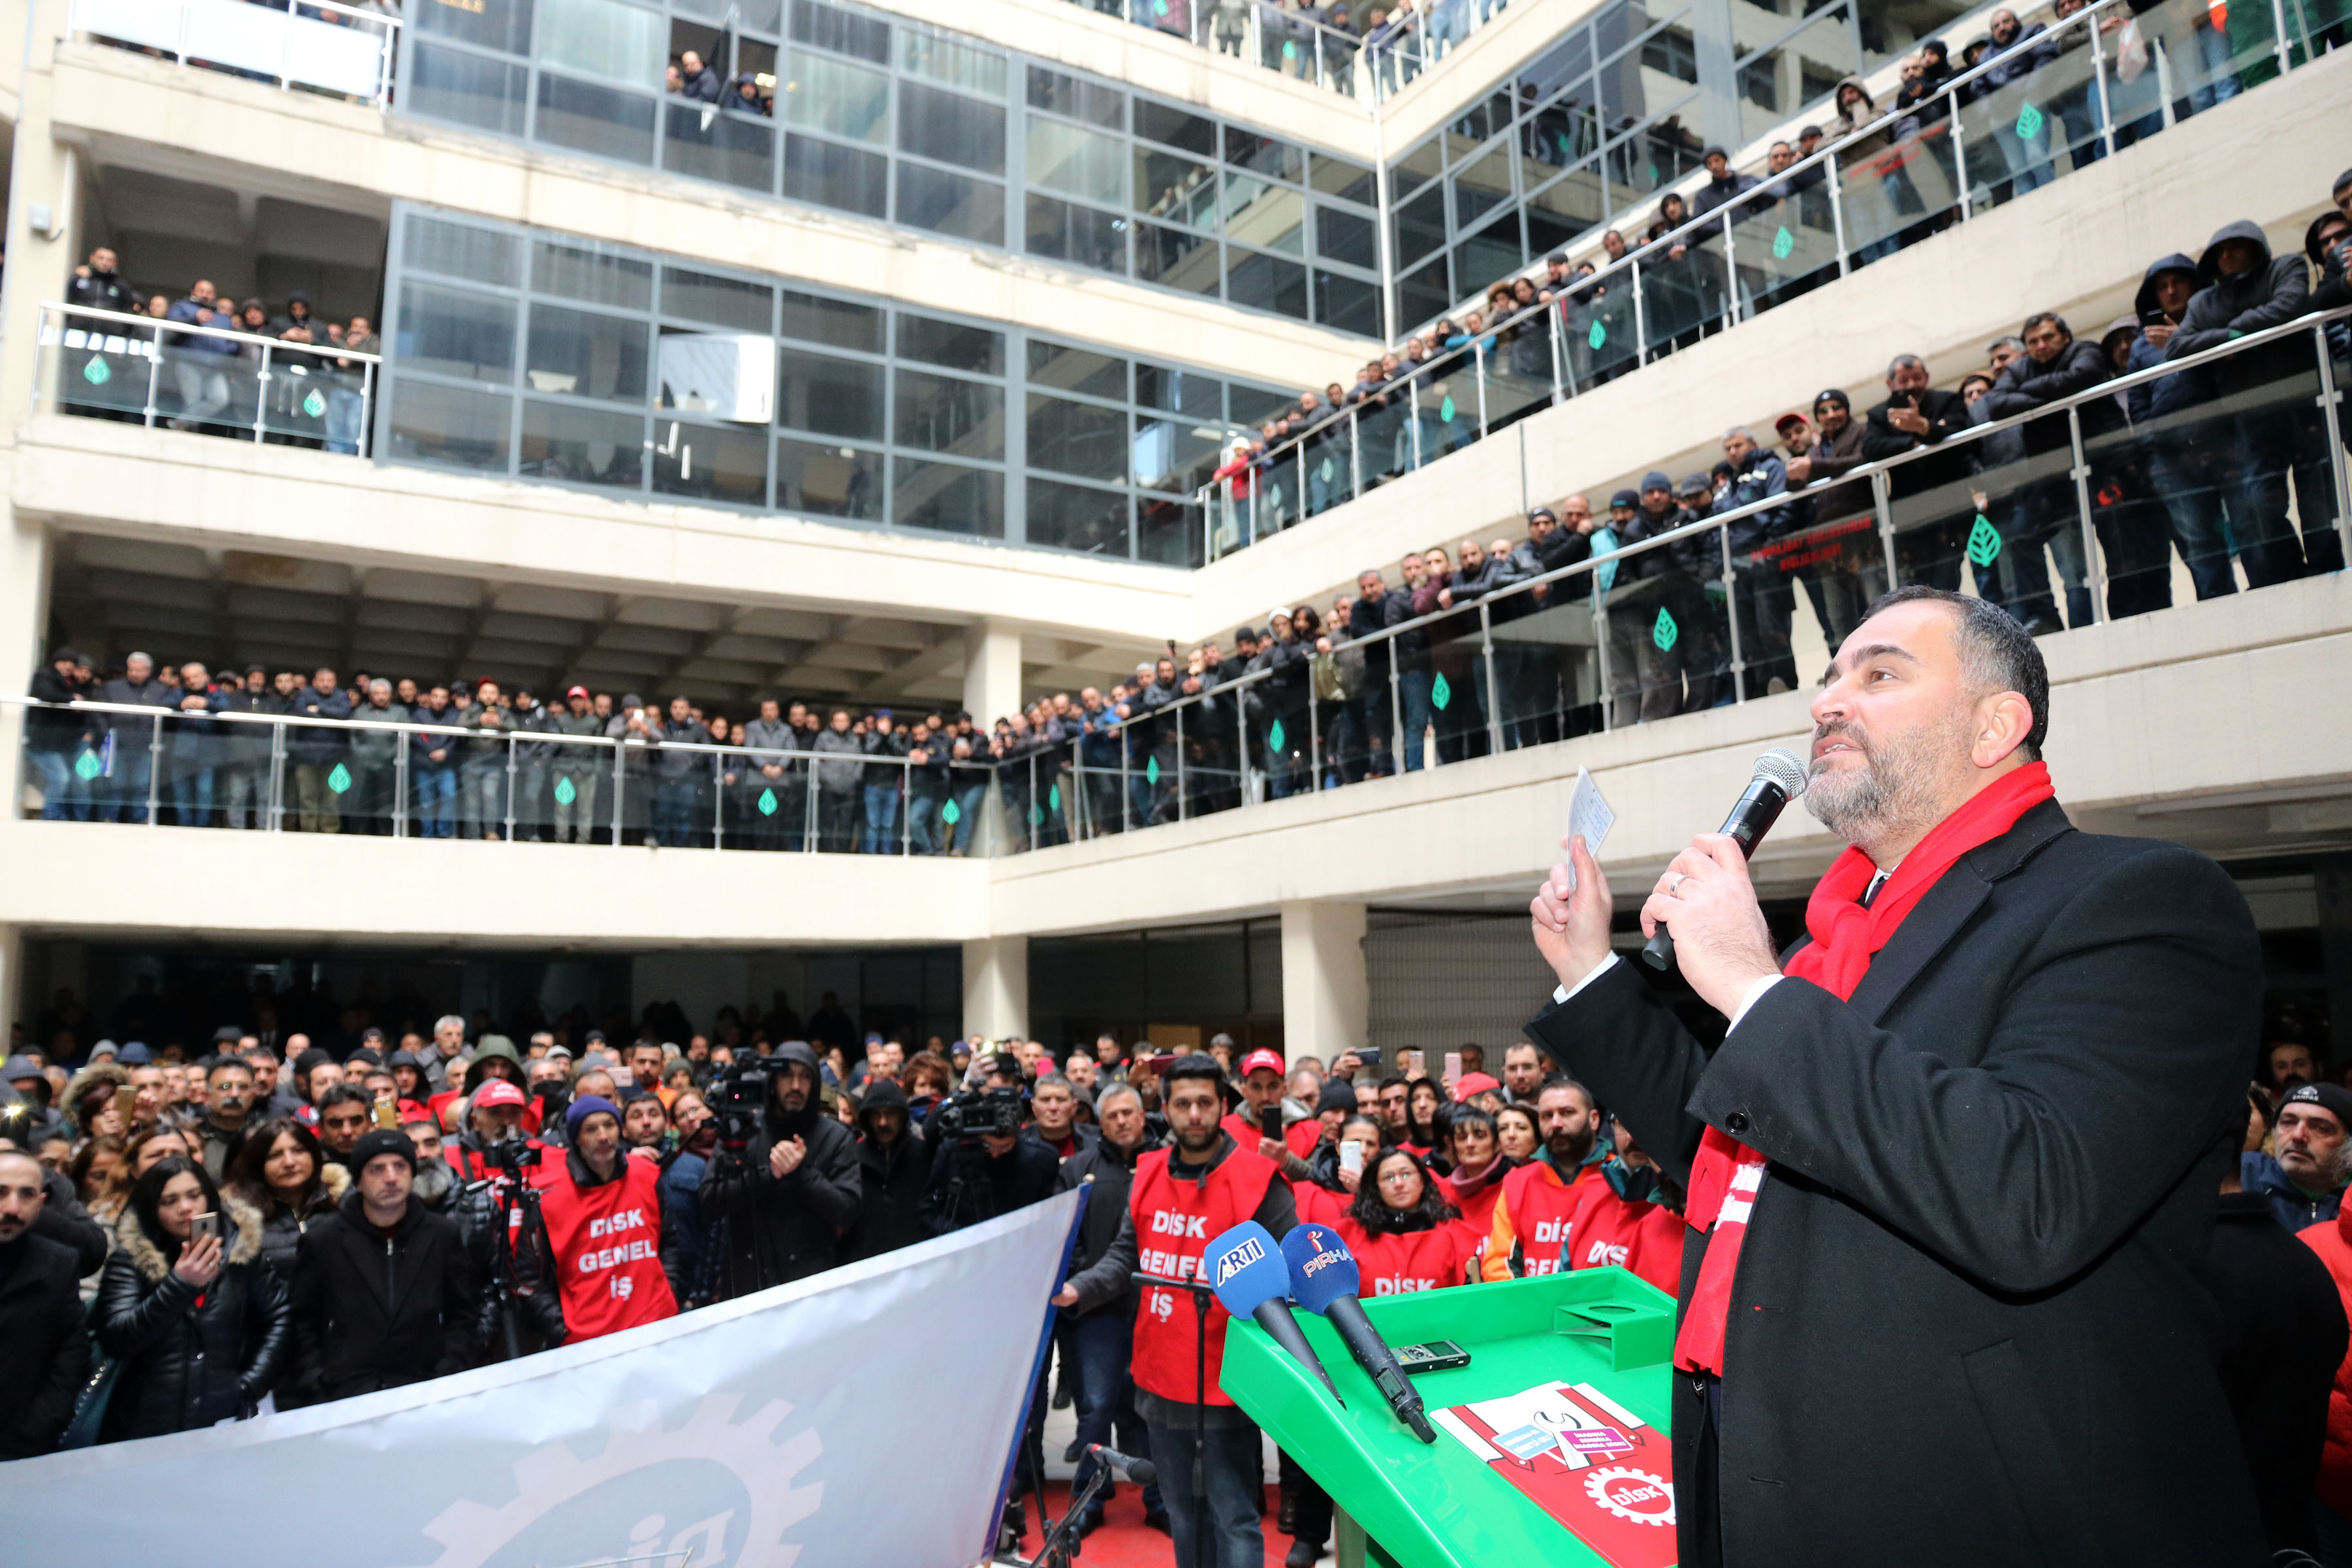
785 1228
2028 385
192 1358
2275 290
283 1228
373 1312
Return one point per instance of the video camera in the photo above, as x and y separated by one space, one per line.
737 1099
977 1114
511 1156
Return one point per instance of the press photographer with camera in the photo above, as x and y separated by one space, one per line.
985 1161
497 1211
784 1182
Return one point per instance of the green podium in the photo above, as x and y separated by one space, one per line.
1551 1443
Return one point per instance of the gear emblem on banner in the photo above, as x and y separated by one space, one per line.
1636 1496
724 1491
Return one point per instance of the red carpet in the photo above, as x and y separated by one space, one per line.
1124 1541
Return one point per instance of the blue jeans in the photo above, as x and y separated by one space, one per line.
1230 1453
1412 690
192 798
65 797
923 824
124 796
343 431
968 801
437 802
674 812
881 815
2193 505
1101 1348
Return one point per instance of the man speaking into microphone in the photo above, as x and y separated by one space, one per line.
1952 1169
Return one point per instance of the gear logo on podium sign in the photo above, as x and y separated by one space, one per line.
1636 1496
722 1488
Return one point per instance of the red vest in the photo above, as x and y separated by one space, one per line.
606 1242
1540 1209
1477 1206
1416 1260
1302 1136
1242 1129
1605 1229
1174 1223
1318 1205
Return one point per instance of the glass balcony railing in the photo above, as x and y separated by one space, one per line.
315 46
104 364
1372 65
2053 103
2067 514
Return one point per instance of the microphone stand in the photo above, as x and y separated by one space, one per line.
1061 1543
1203 1294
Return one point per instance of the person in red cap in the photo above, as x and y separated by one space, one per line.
1260 1075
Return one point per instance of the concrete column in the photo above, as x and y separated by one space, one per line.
45 180
1326 1000
992 673
996 985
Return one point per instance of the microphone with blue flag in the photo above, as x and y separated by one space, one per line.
1244 1266
1323 1280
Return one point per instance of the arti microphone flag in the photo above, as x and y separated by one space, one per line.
1598 1469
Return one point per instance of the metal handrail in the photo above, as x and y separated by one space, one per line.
159 324
355 18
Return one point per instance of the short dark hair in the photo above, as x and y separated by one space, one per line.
1562 1081
344 1095
2051 317
1997 653
1195 1064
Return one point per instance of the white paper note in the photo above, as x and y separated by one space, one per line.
1589 815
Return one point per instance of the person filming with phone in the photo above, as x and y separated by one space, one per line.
1952 1169
189 1307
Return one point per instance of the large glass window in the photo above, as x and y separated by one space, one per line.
607 38
838 99
1076 162
950 204
539 356
951 128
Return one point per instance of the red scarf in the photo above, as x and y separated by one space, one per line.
1726 1173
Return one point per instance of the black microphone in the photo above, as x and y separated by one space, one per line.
1323 1280
1143 1472
1779 779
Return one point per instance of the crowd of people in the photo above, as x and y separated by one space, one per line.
217 381
200 1240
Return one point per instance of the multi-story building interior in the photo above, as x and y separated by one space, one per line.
887 355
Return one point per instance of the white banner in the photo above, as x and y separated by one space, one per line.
863 1416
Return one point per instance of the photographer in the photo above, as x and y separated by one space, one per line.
499 1223
786 1190
984 1163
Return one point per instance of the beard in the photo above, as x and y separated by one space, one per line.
433 1181
1569 1149
1895 787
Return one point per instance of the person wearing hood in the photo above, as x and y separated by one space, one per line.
198 1319
2181 460
2332 256
599 1210
2243 288
383 1294
793 1190
894 1163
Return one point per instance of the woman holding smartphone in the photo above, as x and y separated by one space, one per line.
187 1304
1337 1171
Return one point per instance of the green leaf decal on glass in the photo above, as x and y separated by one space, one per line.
767 802
1445 408
1054 797
566 791
87 767
340 780
1036 815
1273 737
1440 693
1324 470
313 404
1783 243
1290 51
98 373
1598 336
1664 633
951 813
2029 122
1984 542
1151 772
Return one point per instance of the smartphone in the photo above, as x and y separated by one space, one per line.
1437 1355
387 1114
1409 1062
1269 1121
204 1225
1351 1157
2154 319
1368 1055
1453 1067
1162 1062
126 1100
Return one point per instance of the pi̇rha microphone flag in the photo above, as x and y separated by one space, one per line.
1601 1471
